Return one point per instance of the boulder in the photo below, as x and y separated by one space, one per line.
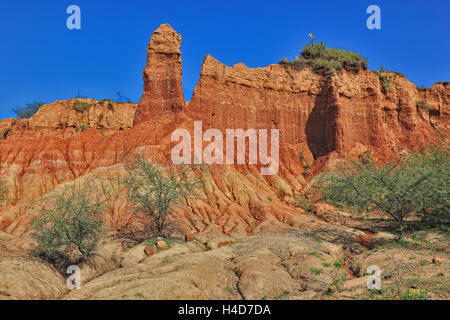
161 244
150 250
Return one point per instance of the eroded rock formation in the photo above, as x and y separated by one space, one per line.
321 117
163 93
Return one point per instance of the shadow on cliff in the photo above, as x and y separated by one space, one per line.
321 123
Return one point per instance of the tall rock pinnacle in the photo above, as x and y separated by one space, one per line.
162 76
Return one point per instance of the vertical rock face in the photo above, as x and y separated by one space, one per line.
342 115
162 76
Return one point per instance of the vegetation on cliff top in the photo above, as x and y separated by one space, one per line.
324 60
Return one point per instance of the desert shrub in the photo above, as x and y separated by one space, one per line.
434 202
385 79
3 192
155 190
301 157
306 169
84 127
81 106
423 105
337 277
302 202
122 98
69 225
28 111
417 183
326 60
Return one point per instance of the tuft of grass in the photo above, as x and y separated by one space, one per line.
315 271
305 204
230 290
384 79
81 106
314 254
421 104
282 295
301 157
414 294
84 127
424 262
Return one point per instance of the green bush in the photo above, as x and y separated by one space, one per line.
302 202
155 190
28 111
69 225
326 60
417 183
3 192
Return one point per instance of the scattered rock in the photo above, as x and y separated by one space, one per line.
142 260
161 244
437 260
188 237
150 250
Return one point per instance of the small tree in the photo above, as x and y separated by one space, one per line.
3 192
69 225
417 183
28 111
122 98
155 190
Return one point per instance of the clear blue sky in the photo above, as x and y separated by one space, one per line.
41 60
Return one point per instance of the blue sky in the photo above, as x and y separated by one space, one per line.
41 60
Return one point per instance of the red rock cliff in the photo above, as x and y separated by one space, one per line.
320 115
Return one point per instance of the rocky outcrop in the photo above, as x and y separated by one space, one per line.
65 118
163 93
